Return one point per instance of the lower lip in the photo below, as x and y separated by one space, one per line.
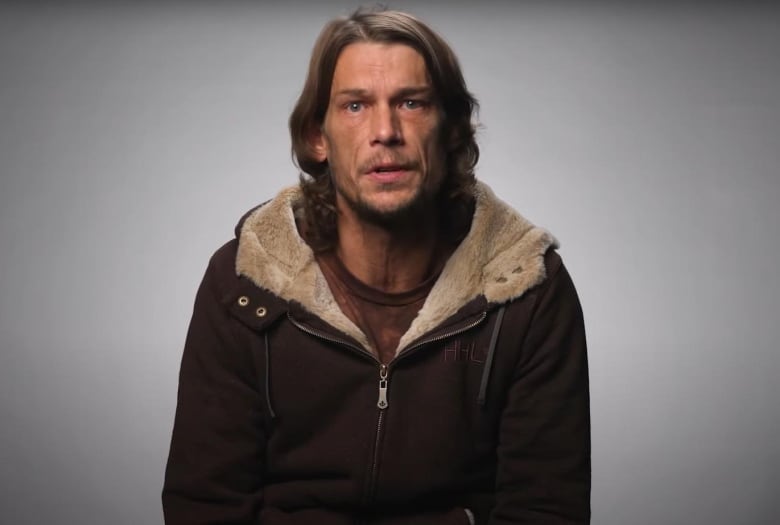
387 176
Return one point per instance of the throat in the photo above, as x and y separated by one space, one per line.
391 261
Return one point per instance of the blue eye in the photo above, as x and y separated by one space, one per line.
354 107
413 104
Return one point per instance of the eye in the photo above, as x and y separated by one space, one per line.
413 104
354 107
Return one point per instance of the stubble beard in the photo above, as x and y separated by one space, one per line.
405 216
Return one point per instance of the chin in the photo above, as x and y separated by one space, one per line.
399 213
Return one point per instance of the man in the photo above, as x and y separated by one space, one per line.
387 342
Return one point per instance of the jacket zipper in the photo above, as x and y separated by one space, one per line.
382 405
382 401
384 381
365 353
445 335
359 350
384 370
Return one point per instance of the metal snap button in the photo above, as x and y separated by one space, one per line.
260 312
243 300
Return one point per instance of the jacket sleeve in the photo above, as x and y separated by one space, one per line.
543 472
214 466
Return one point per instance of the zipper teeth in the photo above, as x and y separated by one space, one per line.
370 493
380 421
363 352
445 336
375 464
342 342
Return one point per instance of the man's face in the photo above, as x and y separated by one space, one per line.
381 133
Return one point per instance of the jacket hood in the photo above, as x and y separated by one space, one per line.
500 259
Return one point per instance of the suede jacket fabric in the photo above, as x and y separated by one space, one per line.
286 417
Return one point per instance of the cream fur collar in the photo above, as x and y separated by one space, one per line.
501 258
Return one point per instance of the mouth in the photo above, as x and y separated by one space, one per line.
387 168
388 173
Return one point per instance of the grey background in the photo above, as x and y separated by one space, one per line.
646 138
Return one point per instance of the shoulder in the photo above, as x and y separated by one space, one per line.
553 264
553 286
223 271
557 290
267 257
503 248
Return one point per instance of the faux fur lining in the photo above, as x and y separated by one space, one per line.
501 258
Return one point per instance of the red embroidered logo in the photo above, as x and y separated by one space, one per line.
460 351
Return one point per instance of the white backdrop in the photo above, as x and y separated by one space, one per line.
647 139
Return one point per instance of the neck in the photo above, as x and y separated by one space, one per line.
392 260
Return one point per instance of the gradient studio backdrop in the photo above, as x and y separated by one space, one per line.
647 139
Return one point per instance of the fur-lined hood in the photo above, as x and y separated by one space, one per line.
501 258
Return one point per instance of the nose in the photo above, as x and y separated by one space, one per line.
385 127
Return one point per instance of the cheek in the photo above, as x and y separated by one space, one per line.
346 139
433 147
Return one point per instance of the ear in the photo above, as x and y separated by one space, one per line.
318 144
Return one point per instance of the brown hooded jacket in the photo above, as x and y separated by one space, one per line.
285 417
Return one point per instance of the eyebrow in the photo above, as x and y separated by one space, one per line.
403 92
414 90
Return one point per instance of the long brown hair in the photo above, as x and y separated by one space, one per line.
457 103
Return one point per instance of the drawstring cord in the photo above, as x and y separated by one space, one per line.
489 361
268 376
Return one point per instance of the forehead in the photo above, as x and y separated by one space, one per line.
363 65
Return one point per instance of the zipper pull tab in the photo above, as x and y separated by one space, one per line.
382 402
